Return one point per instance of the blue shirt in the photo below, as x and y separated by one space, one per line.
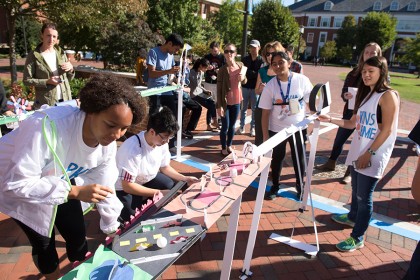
161 61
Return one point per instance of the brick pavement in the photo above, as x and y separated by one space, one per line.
386 254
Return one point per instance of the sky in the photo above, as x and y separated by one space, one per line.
285 2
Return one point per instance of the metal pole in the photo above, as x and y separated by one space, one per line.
24 36
245 29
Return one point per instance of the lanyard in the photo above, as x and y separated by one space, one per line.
289 81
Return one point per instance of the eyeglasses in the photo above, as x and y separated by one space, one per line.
165 139
270 53
229 51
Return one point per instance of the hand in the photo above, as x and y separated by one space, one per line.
241 77
220 112
112 235
208 92
262 86
191 180
324 118
9 114
54 80
348 95
67 66
363 160
90 193
174 70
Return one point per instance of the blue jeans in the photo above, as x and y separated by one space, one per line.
342 135
249 97
361 202
228 125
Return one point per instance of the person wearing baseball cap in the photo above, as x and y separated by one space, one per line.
253 61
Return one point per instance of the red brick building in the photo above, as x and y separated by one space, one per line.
322 18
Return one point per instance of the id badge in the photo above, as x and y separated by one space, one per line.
294 106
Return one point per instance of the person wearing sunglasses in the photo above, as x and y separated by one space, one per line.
143 161
265 74
229 96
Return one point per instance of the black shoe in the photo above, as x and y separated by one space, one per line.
270 196
187 134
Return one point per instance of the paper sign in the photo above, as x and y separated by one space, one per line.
156 236
141 240
125 243
189 230
174 233
243 71
352 101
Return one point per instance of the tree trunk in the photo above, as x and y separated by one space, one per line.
12 49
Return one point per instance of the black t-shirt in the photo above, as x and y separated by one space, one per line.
217 62
415 133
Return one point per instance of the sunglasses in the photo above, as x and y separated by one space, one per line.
229 51
270 53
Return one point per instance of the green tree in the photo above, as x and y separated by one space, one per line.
329 50
272 21
377 27
345 52
346 35
29 28
228 21
412 51
168 16
16 9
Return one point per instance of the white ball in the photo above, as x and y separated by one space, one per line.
161 242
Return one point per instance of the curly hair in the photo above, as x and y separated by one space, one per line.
105 90
163 121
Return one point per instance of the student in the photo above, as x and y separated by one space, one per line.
60 157
143 161
375 118
229 96
48 69
277 114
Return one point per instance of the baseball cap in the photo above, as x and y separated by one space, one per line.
254 43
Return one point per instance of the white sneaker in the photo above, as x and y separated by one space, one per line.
252 132
241 130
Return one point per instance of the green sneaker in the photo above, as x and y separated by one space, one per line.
342 219
350 245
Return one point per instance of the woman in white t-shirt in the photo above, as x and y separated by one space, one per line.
62 156
283 104
375 118
48 69
143 161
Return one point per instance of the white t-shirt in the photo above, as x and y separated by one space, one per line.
51 59
300 87
32 183
140 164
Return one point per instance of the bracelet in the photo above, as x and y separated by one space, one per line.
372 152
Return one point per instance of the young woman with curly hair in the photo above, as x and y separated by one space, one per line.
68 161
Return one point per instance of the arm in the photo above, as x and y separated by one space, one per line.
415 186
153 73
350 81
169 171
259 86
137 189
349 124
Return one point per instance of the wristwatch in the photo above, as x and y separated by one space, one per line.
372 152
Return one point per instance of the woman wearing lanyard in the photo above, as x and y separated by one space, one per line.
283 104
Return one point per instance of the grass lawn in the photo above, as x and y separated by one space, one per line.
408 85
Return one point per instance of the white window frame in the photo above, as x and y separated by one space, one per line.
377 6
327 20
328 6
310 38
394 6
412 6
315 21
341 22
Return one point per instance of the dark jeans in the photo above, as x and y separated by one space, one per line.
196 109
228 125
279 153
342 135
258 127
361 202
210 105
131 202
413 271
70 223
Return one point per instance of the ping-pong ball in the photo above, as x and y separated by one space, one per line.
161 242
